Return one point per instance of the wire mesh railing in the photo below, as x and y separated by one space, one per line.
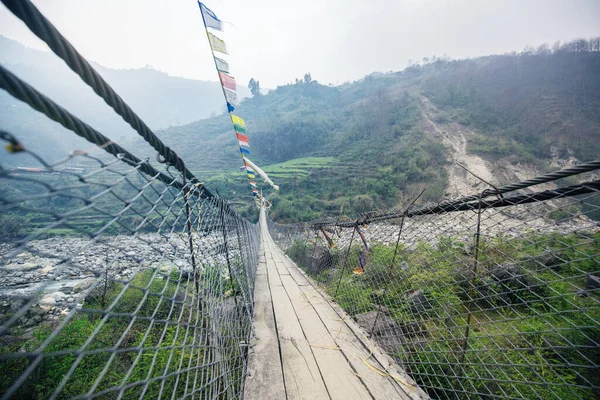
114 284
118 278
495 295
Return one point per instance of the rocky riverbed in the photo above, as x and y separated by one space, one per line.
509 222
58 272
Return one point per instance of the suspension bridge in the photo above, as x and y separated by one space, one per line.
124 278
306 347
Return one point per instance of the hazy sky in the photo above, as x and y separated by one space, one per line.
276 41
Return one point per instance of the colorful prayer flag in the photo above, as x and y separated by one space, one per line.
329 240
362 262
228 81
239 122
228 84
222 65
362 237
210 19
217 44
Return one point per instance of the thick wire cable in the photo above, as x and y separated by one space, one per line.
42 28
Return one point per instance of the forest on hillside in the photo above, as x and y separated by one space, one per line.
529 107
362 145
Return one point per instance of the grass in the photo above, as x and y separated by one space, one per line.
288 168
166 334
296 168
299 166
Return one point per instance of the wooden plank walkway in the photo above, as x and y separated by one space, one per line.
306 347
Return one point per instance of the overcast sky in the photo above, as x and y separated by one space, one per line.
276 41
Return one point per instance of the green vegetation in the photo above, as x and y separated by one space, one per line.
153 344
532 331
353 147
534 104
527 107
299 167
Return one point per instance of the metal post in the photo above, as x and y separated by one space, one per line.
389 274
345 261
226 244
461 361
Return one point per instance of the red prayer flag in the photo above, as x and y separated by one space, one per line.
242 137
228 81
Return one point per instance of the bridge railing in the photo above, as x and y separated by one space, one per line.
119 277
116 284
495 295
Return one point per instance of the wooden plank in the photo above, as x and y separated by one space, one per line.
352 338
297 274
300 371
274 279
281 268
381 387
341 381
264 379
299 333
261 269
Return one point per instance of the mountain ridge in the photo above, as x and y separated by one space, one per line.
505 116
386 136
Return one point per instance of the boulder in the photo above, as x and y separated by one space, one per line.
510 275
592 282
548 258
83 284
418 301
50 300
319 260
384 326
511 284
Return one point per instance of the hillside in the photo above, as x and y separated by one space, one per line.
507 117
374 142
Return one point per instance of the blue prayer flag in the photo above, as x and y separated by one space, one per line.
210 19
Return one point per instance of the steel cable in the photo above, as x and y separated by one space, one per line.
42 28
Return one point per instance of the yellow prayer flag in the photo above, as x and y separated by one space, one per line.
237 120
217 44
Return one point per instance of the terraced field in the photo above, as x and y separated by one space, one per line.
298 167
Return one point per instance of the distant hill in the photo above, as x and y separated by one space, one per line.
507 117
160 100
375 142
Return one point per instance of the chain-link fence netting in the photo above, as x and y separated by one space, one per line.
490 296
115 284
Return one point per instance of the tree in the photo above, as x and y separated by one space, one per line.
254 87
